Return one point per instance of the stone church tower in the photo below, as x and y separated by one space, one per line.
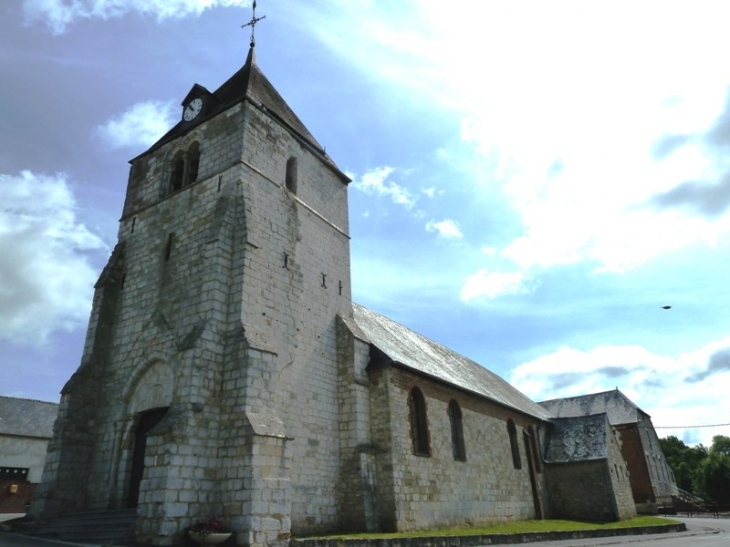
227 372
208 383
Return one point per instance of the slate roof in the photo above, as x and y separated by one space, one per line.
616 405
578 439
248 83
27 418
405 348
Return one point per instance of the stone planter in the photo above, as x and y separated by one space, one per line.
213 538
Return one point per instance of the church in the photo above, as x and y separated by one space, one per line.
226 371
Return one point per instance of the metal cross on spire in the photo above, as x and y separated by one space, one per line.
252 23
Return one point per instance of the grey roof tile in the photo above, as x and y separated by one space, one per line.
27 418
415 352
582 438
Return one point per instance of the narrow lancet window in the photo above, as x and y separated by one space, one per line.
178 172
291 175
193 163
457 432
512 431
419 422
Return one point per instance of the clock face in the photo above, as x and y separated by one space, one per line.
192 109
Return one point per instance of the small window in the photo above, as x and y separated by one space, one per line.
193 163
178 172
457 432
291 175
184 168
514 445
419 423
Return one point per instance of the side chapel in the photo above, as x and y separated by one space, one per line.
226 370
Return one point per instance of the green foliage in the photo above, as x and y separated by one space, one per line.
517 527
685 461
703 472
714 472
720 445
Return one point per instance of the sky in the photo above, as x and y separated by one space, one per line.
532 181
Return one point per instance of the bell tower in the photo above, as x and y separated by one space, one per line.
208 382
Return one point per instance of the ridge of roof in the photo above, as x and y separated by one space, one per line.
619 408
415 352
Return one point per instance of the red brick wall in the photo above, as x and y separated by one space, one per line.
633 452
15 503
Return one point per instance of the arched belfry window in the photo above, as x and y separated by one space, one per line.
184 167
457 431
514 445
193 162
291 175
419 422
177 173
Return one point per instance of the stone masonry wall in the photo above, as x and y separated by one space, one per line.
358 482
581 491
438 491
620 480
233 285
297 280
662 478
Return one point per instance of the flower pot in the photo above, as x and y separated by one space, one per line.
213 538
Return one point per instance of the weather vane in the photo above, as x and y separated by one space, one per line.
252 23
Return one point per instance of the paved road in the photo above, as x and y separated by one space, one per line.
701 532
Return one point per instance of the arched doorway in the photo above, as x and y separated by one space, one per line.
147 420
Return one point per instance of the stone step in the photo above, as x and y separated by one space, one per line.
104 527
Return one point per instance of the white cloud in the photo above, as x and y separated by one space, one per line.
665 387
46 281
376 183
59 14
447 229
493 284
570 144
140 126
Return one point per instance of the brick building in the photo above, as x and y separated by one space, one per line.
26 427
226 370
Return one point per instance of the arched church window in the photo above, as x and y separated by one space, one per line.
419 422
514 445
457 431
184 168
291 175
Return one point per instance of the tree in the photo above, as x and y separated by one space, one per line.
685 462
714 472
720 444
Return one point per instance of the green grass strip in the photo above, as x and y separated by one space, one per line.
516 527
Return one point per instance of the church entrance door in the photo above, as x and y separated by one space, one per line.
147 421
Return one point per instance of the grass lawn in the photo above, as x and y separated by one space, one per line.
517 527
